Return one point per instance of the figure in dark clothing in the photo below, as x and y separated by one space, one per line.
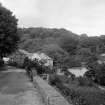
27 64
30 73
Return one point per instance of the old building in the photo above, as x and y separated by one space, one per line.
46 60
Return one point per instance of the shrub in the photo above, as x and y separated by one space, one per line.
79 101
80 94
63 78
83 81
15 64
1 63
71 94
54 80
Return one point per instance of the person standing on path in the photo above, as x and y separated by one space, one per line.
28 65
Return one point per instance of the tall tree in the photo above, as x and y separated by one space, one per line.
8 32
69 44
56 53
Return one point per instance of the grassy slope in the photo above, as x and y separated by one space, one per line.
92 94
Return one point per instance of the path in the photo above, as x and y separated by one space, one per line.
16 89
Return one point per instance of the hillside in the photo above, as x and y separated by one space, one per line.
62 45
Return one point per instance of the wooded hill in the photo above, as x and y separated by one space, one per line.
65 47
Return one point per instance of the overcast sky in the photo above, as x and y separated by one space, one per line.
79 16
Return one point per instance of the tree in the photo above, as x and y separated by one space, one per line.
97 73
56 53
8 32
84 54
90 42
102 44
100 74
69 44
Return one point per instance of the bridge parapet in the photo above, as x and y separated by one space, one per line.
50 95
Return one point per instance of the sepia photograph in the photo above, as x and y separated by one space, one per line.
52 52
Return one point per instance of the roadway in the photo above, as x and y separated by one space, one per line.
16 89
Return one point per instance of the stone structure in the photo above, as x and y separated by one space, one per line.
50 95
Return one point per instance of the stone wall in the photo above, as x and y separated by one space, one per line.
49 94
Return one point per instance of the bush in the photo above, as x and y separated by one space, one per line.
83 81
15 64
79 101
71 94
66 91
82 93
1 63
54 80
97 73
63 78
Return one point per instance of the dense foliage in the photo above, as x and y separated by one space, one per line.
97 73
17 59
66 48
8 32
62 45
78 92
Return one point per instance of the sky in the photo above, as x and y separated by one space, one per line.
78 16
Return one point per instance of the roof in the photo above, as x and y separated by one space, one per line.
37 55
44 56
40 56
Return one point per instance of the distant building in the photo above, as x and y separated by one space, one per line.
39 56
78 71
42 57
